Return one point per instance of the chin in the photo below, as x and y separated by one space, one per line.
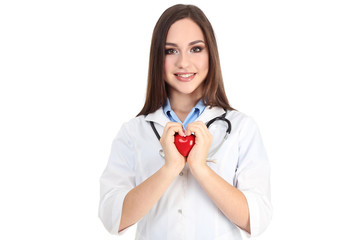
187 88
187 91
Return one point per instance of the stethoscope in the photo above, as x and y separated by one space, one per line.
212 153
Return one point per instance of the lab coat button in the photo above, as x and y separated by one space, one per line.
181 173
180 211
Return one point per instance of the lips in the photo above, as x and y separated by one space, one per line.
185 77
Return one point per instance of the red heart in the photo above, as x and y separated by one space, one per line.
184 144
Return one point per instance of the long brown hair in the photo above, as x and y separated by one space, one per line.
213 89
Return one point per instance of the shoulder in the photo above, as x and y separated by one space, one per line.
241 121
135 122
239 117
133 125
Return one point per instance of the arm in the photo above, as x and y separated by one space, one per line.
250 197
142 198
230 200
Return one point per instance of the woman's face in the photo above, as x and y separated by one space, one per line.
186 58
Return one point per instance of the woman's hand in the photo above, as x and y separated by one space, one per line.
203 139
174 161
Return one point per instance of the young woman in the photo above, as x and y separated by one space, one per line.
222 185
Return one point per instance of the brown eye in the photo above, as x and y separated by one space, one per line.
170 51
196 49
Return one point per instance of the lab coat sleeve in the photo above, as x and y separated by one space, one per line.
116 181
253 177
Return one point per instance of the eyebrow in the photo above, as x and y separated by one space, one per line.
190 44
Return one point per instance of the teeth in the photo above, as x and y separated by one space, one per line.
185 75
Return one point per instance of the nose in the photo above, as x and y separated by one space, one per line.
183 60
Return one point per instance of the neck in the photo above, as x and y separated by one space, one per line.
182 104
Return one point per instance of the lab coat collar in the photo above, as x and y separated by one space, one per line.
158 117
209 113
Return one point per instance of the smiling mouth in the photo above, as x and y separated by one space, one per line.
186 75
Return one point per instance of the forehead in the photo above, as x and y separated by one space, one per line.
184 31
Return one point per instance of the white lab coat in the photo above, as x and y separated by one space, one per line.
185 211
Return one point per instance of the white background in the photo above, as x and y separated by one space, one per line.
71 72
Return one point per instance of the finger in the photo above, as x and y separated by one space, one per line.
197 128
177 128
168 139
201 132
172 128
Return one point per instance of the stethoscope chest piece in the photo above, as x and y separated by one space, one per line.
161 152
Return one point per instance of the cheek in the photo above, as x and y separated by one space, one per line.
168 64
203 63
